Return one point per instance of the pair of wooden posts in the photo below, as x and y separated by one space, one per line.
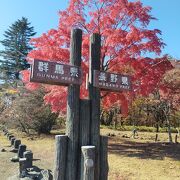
81 154
83 116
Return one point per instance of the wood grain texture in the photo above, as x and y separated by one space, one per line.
72 126
60 157
94 96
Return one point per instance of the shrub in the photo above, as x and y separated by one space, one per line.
28 112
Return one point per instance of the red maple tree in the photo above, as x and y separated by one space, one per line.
126 41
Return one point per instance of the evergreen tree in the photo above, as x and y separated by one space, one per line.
16 47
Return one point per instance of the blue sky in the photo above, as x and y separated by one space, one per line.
43 14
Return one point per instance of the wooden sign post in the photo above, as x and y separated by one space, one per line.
94 96
67 147
72 126
81 154
101 80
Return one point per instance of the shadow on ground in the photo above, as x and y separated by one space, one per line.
145 150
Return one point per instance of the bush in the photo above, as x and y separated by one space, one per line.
28 112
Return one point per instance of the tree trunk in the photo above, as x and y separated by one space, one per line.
157 131
167 112
115 122
169 131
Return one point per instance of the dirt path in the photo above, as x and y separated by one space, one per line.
7 168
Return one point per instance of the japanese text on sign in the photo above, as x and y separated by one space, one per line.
111 81
55 73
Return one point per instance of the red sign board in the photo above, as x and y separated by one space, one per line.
55 73
110 81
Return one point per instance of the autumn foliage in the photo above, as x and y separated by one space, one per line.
126 42
171 81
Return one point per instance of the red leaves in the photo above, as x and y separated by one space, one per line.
126 40
170 86
56 98
149 74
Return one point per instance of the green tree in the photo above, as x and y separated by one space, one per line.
16 47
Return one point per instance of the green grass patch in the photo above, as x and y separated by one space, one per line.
139 128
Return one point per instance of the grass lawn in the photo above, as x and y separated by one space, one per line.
129 159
